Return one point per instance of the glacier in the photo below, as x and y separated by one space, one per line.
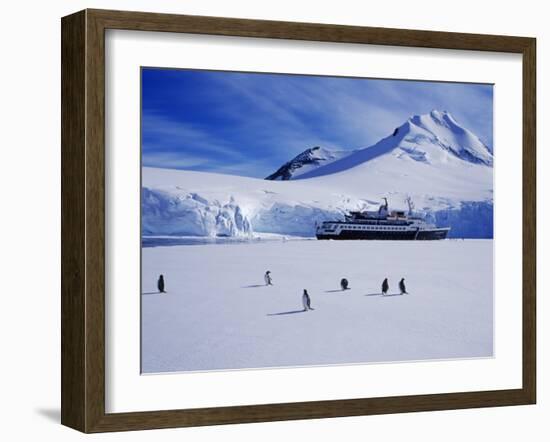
443 167
473 219
189 214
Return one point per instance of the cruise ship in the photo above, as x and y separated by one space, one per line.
381 225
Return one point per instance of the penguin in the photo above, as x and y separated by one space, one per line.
267 278
306 301
344 284
402 287
160 284
385 286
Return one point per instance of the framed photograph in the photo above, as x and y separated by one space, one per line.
268 221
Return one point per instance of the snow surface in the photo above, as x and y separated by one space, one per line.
218 314
445 168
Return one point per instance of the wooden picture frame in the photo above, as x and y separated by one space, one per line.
83 220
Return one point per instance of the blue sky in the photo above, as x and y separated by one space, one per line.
250 124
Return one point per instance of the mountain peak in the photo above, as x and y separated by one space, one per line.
439 115
441 118
435 139
306 161
441 128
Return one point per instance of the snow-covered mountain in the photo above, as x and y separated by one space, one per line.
308 160
445 168
423 138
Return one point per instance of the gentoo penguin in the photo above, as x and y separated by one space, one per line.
306 301
385 286
160 284
402 287
267 278
344 284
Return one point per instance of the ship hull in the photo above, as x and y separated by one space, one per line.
424 235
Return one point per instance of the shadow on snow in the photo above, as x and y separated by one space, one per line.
291 312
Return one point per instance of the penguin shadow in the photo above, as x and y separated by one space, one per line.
392 294
374 294
253 286
336 291
153 293
291 312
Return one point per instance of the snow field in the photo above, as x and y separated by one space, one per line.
218 314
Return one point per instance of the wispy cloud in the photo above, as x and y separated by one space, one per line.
172 160
250 123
